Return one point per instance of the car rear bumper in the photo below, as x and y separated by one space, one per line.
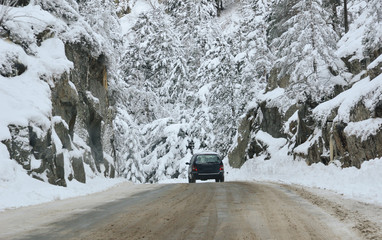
206 176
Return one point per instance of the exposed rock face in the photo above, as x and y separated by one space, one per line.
272 120
80 110
93 111
238 155
323 142
18 146
22 2
30 144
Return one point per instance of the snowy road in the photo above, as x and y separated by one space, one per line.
231 210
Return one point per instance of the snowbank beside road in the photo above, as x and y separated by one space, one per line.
363 184
18 189
360 184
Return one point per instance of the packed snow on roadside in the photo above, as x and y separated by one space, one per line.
362 184
18 189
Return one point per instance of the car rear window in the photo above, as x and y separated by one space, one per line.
207 159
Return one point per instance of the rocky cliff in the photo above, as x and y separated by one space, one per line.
54 47
335 121
347 128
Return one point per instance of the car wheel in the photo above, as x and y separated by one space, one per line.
190 180
217 180
222 179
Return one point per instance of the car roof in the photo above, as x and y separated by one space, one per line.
206 152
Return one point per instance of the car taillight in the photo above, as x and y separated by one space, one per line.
194 169
221 168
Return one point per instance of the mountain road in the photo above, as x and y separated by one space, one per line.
230 210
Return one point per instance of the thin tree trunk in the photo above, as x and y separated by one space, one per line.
346 16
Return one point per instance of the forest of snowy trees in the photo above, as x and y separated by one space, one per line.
214 74
190 72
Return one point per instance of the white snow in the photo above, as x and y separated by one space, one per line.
128 21
17 189
365 128
375 63
273 144
303 148
346 100
26 99
230 17
52 57
275 93
203 92
351 43
360 184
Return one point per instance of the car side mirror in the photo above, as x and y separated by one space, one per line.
187 163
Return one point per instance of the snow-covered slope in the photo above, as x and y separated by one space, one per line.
50 120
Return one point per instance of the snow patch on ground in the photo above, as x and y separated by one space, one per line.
276 93
230 17
351 43
18 189
360 184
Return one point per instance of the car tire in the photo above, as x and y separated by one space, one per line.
190 180
217 180
222 179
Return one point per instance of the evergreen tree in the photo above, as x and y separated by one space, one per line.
306 52
254 58
102 18
373 34
154 59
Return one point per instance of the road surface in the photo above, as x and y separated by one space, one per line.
230 210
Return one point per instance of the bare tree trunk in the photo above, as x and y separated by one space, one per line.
346 16
219 6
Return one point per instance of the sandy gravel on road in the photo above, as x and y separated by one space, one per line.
364 218
18 222
224 211
231 210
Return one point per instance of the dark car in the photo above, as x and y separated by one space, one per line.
207 165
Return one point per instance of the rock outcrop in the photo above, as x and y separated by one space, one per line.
80 131
313 138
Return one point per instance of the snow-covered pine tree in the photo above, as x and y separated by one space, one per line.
306 53
218 71
254 59
102 18
154 60
192 24
373 35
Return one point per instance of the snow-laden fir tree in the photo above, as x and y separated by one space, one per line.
254 59
257 40
373 34
192 24
154 61
101 16
218 71
306 53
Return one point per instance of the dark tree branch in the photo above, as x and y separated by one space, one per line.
346 16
